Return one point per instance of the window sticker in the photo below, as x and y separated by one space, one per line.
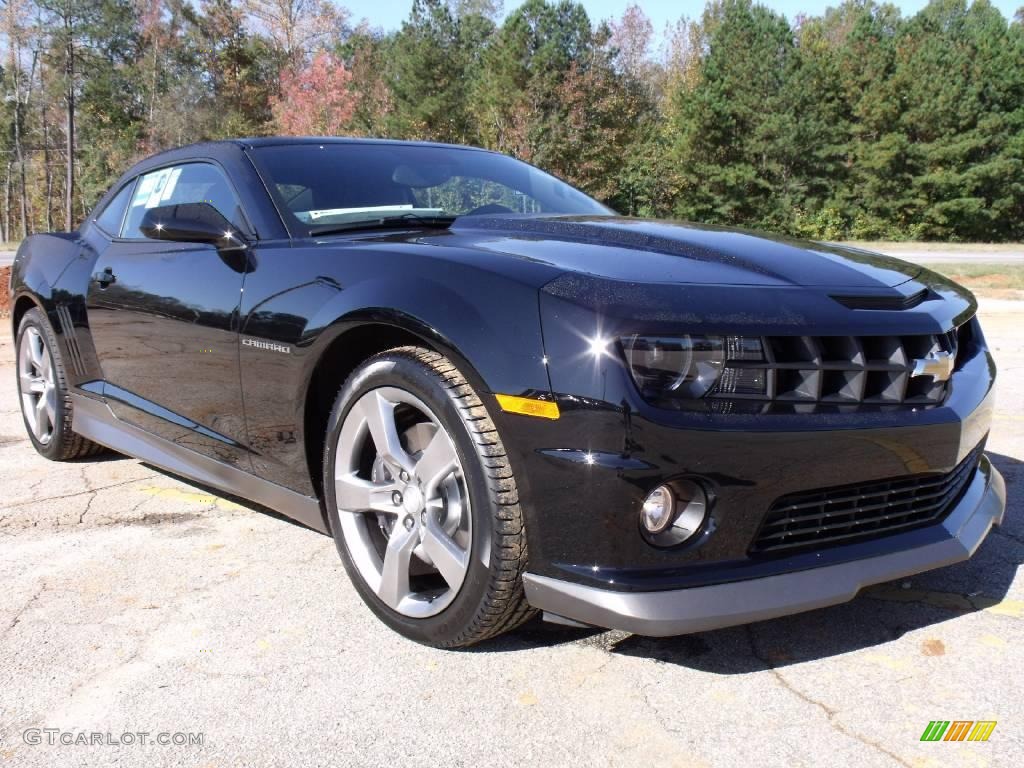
169 187
160 179
145 189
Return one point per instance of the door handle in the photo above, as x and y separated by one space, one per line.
105 278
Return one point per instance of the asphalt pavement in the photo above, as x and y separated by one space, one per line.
134 602
920 254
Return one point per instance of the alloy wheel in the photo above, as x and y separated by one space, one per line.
403 504
38 385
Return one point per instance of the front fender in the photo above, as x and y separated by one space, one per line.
497 331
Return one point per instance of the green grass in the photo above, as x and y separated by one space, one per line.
884 246
997 280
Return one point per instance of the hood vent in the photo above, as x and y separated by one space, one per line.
883 302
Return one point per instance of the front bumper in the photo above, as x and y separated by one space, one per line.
697 609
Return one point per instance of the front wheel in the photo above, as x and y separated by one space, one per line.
422 502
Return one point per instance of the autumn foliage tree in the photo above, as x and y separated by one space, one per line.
315 100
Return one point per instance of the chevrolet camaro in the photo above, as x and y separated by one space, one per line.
501 398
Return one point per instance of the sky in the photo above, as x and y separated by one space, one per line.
388 14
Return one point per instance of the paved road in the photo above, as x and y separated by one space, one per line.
6 258
954 256
134 602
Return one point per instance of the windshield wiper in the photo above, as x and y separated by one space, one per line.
384 222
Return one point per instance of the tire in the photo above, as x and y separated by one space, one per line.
39 366
430 523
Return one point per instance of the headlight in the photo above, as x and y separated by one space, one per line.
692 366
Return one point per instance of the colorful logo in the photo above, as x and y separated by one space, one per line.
958 730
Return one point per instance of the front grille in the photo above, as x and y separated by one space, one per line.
839 370
851 513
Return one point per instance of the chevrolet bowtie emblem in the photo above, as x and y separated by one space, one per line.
938 365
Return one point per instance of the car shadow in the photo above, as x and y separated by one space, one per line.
878 615
246 503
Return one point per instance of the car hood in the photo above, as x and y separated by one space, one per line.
652 251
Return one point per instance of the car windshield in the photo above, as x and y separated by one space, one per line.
345 183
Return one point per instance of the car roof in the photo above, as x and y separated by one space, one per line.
224 147
274 141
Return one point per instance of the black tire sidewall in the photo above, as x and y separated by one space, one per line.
395 369
34 318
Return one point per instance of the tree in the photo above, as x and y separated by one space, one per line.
631 41
724 151
297 27
315 101
425 73
515 88
229 75
69 23
18 86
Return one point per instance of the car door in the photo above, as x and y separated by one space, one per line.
163 317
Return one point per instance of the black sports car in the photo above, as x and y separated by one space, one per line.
499 397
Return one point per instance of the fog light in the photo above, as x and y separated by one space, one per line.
674 513
659 507
693 504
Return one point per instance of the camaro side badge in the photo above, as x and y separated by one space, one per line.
937 365
272 346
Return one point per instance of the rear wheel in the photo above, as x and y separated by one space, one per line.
43 391
422 502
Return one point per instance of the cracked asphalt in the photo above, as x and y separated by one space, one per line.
134 602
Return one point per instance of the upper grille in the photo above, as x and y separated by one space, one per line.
841 370
855 512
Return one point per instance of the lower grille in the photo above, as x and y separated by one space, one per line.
851 513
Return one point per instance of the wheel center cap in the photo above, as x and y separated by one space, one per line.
412 499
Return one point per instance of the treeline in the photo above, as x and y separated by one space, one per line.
860 123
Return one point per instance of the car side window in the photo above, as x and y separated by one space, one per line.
111 217
176 184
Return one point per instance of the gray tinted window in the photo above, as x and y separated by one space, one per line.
110 220
189 183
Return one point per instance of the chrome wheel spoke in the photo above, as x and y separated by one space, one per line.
50 399
42 425
394 575
449 558
32 384
437 461
35 348
379 413
45 370
357 495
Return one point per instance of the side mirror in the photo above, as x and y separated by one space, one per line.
191 223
